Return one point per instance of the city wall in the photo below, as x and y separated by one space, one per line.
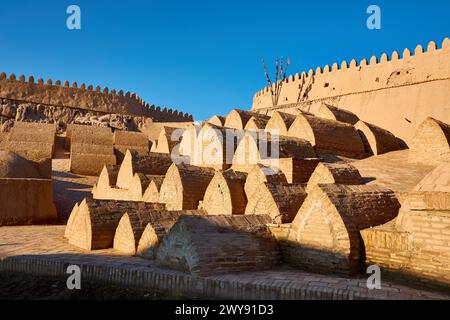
394 92
83 97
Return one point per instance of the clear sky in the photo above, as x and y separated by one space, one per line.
203 57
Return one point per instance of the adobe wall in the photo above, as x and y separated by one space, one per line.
83 97
419 253
394 93
26 201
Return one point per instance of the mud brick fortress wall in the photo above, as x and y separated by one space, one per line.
60 98
396 93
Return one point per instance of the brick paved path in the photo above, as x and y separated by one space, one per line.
42 250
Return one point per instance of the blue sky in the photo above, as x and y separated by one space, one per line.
203 57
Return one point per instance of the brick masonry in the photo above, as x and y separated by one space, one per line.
431 143
48 255
328 136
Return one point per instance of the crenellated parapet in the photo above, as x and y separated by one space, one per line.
367 75
88 97
397 88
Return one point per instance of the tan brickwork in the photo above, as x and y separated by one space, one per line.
328 111
218 121
279 201
329 173
279 123
184 186
218 244
26 201
325 233
94 224
256 123
150 164
328 136
431 143
376 140
90 164
151 194
225 194
237 119
258 175
141 231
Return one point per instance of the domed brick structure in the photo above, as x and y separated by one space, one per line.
325 233
151 164
225 194
237 119
376 140
257 123
184 186
330 173
431 143
15 166
132 225
94 223
328 136
280 122
328 111
279 201
168 139
207 245
218 121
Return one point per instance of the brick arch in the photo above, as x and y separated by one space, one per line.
148 242
151 194
129 236
225 193
325 241
257 123
258 175
237 119
138 186
333 113
188 142
94 224
328 136
431 142
167 139
279 201
171 192
302 129
210 147
328 173
126 234
106 181
376 140
149 164
247 153
199 244
280 122
78 230
184 186
216 120
72 216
